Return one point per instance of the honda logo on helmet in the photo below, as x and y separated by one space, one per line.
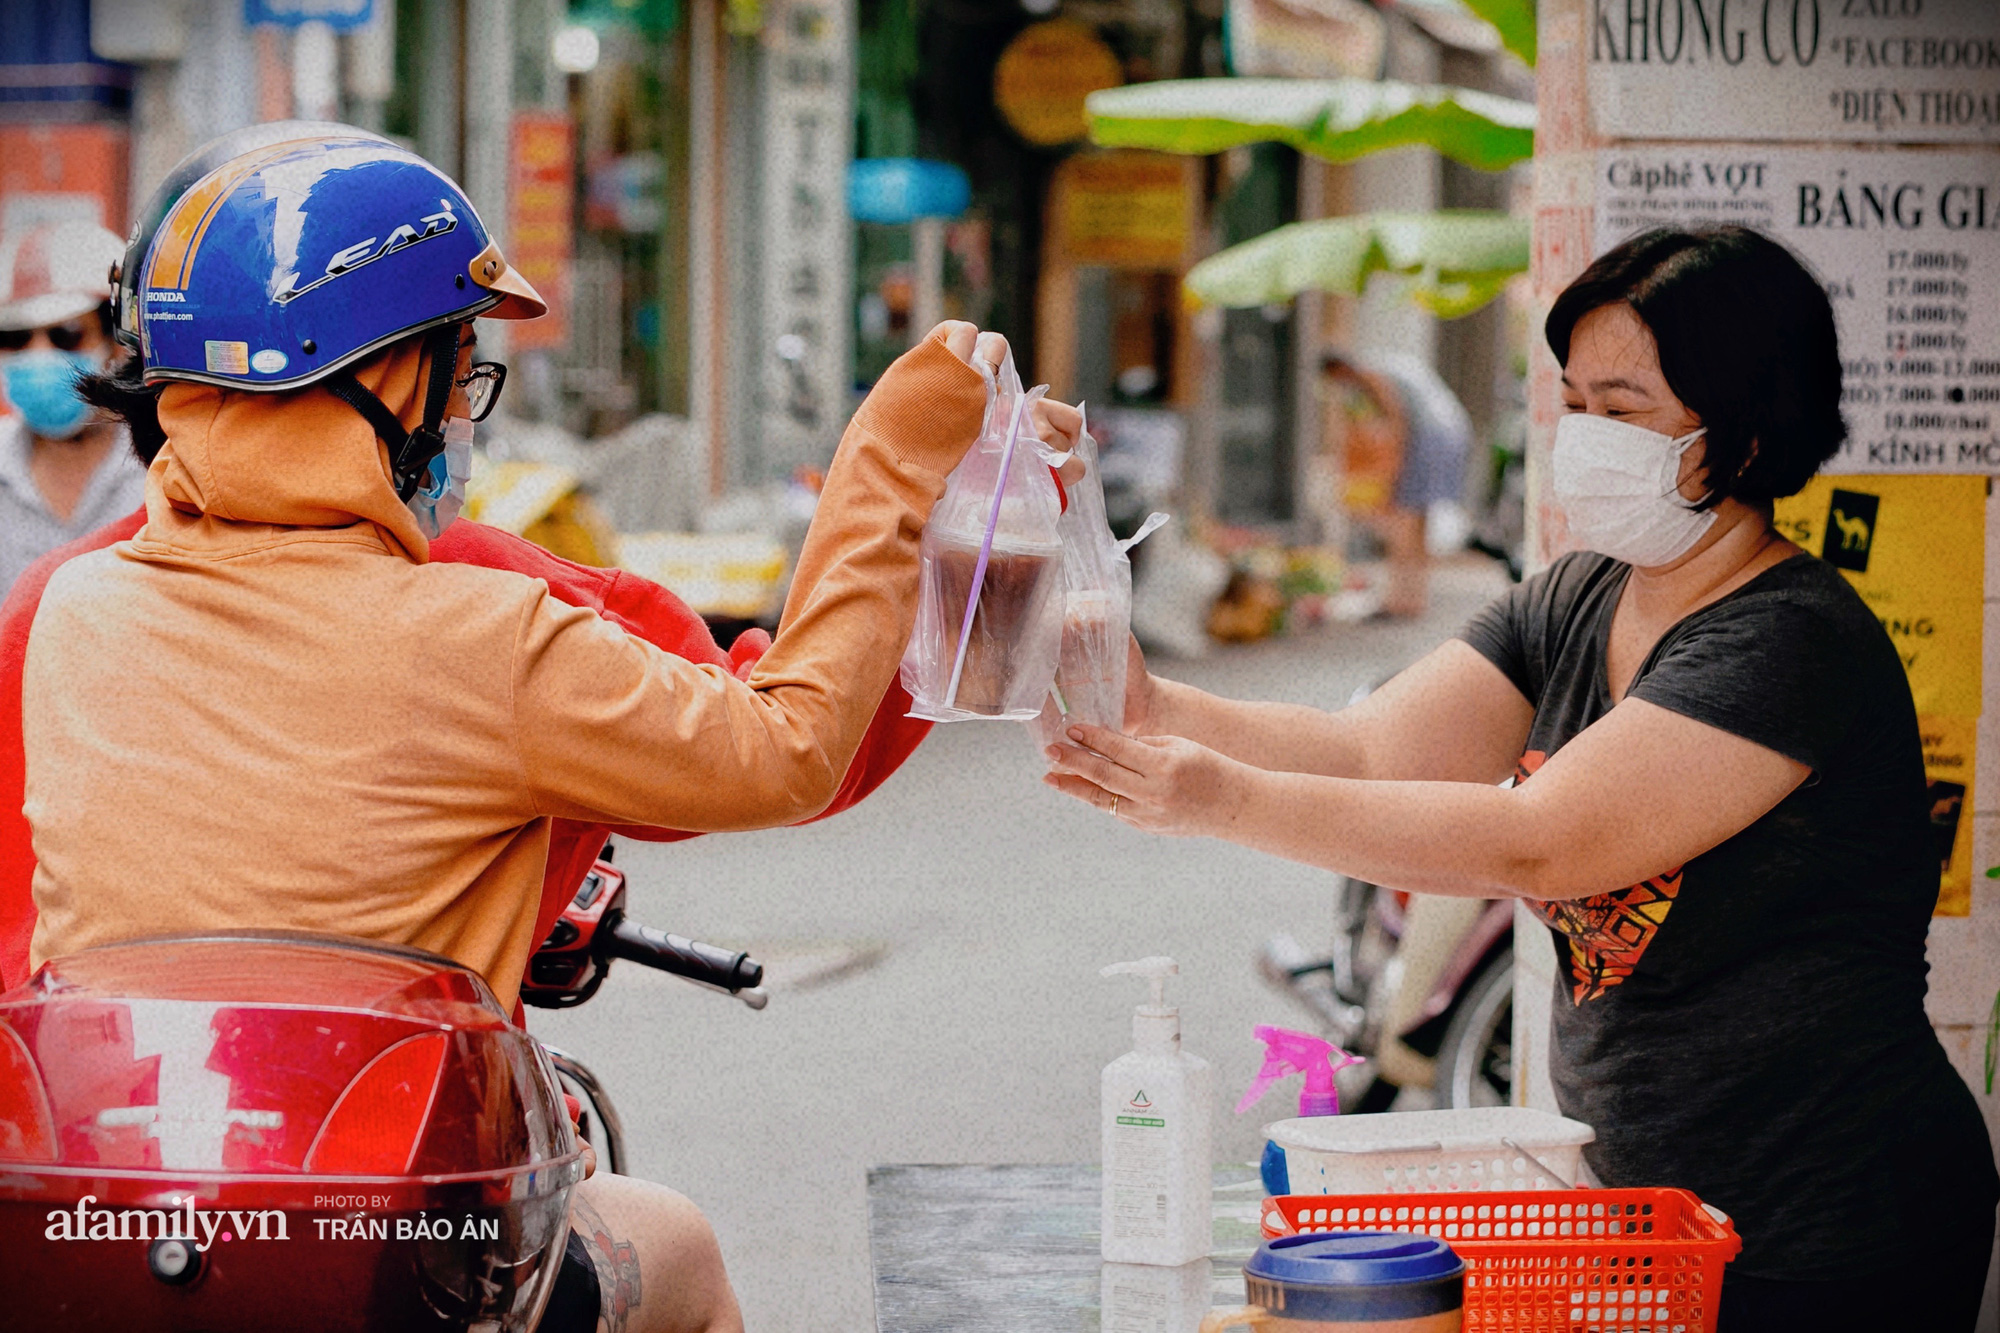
361 253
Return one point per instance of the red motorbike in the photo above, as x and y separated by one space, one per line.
257 1130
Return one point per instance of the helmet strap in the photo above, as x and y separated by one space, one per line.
410 451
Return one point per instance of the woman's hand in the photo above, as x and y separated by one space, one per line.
1161 784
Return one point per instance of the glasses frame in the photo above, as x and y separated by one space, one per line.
482 385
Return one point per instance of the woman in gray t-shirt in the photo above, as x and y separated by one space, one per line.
1720 806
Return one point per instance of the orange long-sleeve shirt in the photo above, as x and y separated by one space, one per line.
643 608
269 709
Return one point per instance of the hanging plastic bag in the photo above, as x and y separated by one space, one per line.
990 591
1097 608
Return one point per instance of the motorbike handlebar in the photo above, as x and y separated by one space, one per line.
724 969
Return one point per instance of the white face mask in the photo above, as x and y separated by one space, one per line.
439 500
1619 487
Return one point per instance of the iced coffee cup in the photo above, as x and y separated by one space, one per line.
1090 652
1090 675
1013 598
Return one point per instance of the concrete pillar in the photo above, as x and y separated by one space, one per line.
180 102
315 73
801 363
219 76
371 68
439 69
489 109
1403 180
159 135
489 114
1564 165
273 48
1471 351
708 313
153 36
1320 523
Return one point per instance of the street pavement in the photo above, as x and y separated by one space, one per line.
933 959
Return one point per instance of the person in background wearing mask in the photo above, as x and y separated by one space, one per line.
1719 809
64 468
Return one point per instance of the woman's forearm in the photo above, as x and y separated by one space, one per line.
1640 791
1457 839
1289 738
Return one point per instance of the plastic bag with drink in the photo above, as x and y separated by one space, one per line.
1097 608
990 593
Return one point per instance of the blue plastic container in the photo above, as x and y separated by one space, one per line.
1354 1280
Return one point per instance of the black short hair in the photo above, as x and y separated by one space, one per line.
121 392
1746 340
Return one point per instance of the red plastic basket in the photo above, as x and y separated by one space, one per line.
1553 1261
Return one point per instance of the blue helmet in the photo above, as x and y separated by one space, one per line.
286 264
187 171
290 262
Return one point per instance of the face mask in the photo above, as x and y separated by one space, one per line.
439 500
42 387
1618 487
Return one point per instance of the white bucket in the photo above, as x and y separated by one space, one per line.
1432 1152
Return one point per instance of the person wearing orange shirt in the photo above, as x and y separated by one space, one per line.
331 730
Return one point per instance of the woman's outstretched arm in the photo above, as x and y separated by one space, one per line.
1639 792
1452 716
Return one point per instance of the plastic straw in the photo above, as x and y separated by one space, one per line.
986 546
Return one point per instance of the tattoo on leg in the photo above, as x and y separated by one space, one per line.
617 1264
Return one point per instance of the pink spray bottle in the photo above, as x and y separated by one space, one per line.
1288 1052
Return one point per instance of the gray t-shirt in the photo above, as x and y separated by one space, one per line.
1750 1025
29 528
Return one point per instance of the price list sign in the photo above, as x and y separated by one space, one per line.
1908 245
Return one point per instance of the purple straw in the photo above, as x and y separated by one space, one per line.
986 545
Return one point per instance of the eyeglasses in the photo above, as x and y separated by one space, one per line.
482 386
65 337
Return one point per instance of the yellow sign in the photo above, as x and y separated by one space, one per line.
1044 75
1124 210
1914 547
1949 747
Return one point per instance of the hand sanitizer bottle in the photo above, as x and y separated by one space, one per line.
1155 1120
